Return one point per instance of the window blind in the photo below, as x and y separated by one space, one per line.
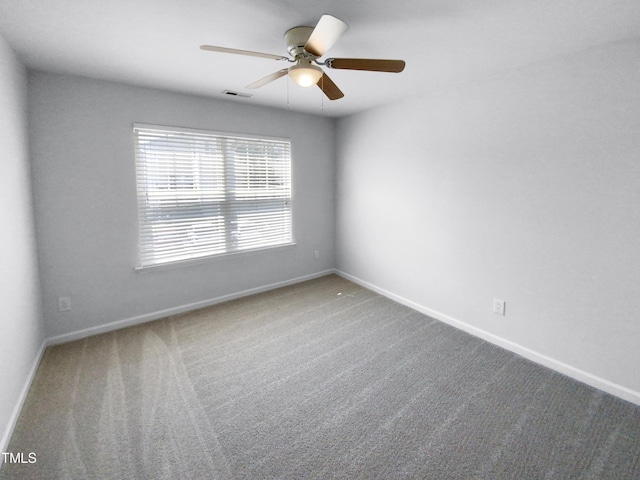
204 193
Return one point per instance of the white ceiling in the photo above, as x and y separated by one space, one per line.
156 43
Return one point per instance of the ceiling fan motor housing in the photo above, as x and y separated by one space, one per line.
296 38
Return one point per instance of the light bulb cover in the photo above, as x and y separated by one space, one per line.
305 74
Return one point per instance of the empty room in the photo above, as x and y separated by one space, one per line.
288 240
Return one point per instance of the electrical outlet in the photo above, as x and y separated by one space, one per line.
316 254
499 306
64 304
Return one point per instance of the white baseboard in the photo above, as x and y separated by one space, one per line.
13 419
539 358
128 322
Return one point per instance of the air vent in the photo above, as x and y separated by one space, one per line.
231 93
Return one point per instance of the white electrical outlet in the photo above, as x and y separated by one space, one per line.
64 304
316 254
499 306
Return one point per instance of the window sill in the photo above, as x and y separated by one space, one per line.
210 258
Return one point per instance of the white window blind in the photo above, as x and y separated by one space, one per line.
204 193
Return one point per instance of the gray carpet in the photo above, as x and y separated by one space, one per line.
323 379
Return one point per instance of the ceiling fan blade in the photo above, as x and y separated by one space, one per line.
327 32
235 51
329 88
368 64
268 79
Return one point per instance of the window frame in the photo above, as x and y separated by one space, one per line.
193 258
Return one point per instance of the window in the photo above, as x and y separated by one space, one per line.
204 193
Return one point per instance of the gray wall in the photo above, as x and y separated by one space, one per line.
524 187
86 208
21 332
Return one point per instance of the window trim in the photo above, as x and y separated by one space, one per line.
142 268
211 258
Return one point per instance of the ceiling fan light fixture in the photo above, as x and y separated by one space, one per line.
305 74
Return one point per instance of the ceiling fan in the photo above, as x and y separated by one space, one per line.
306 45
